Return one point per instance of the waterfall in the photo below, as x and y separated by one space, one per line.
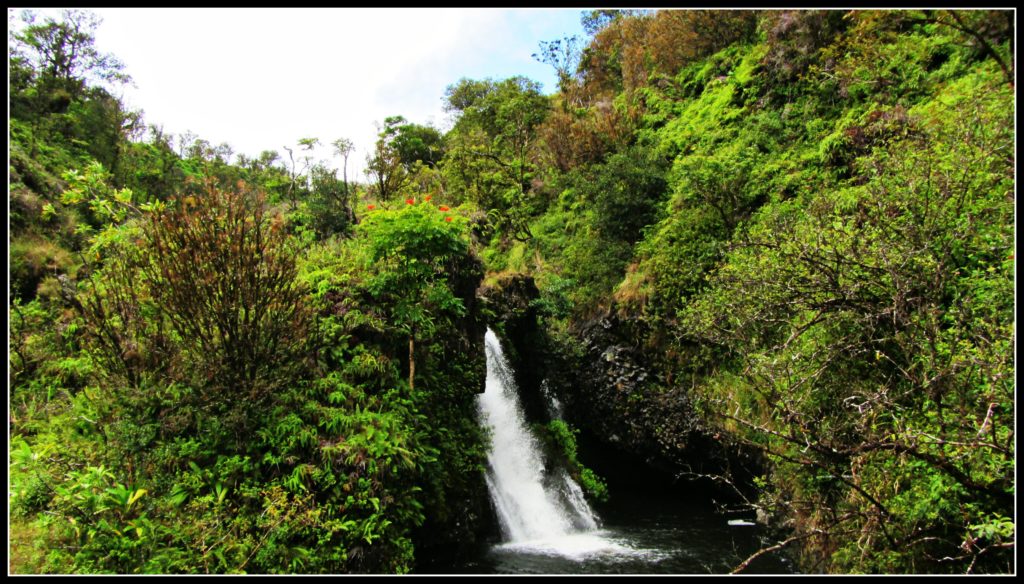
532 502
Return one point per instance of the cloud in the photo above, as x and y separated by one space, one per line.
261 79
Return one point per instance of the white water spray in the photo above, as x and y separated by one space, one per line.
541 512
516 475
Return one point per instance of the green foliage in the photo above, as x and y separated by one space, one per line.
491 149
153 171
582 255
554 301
696 235
404 277
563 437
31 491
411 250
91 189
881 287
625 193
808 224
329 203
339 458
33 261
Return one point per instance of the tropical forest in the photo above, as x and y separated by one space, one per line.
737 296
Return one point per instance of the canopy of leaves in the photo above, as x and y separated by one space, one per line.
805 219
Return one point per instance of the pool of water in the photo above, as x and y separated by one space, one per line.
651 524
657 533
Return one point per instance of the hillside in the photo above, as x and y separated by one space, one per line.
770 251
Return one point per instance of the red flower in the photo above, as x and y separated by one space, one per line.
428 197
448 219
443 207
371 207
410 201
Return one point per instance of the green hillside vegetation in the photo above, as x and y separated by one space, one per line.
229 365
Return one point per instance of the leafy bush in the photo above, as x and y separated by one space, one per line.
222 272
874 348
563 438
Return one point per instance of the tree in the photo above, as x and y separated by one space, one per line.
491 154
328 202
343 147
185 141
413 252
62 56
264 171
627 48
294 172
564 55
384 165
594 21
415 143
54 84
221 271
151 168
866 348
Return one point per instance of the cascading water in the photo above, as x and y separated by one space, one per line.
539 510
549 528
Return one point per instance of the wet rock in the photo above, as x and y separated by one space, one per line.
611 380
511 310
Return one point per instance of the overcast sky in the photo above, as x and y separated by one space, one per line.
262 78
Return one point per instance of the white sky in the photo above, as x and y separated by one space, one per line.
262 78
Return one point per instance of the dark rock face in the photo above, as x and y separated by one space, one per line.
470 340
472 525
610 379
619 391
623 397
514 318
606 382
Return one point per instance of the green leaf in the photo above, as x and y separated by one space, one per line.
136 496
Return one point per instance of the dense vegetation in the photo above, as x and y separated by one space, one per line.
212 368
255 366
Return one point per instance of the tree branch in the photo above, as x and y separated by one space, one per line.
745 563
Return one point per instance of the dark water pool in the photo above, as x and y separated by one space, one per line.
652 534
650 525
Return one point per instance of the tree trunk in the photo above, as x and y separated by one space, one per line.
412 361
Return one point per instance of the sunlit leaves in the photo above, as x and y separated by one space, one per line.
872 343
